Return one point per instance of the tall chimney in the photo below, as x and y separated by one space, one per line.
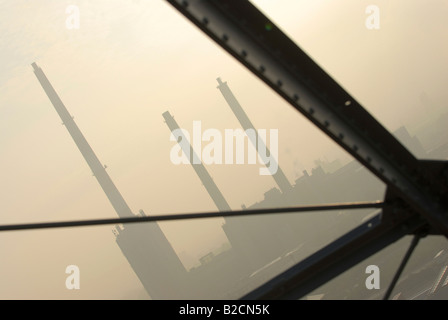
203 174
258 143
106 183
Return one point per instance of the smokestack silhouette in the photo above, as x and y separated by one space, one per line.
259 144
144 245
203 174
106 183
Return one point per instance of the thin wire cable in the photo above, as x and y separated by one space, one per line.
414 243
140 219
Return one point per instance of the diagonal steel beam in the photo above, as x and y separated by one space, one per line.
249 36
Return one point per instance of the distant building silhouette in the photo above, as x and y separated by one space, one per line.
154 260
412 143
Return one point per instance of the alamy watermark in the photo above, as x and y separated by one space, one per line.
233 148
73 280
372 21
72 21
373 18
373 280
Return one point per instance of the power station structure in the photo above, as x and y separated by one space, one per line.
144 245
147 249
245 235
255 243
415 200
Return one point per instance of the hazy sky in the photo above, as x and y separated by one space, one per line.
129 62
